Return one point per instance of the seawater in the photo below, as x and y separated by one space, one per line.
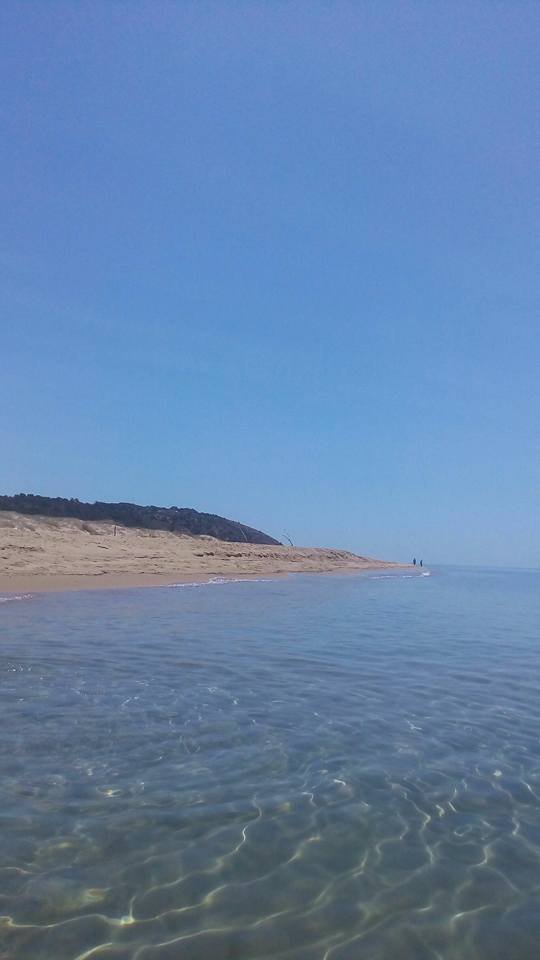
317 768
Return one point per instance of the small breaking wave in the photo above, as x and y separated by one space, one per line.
218 581
22 596
400 576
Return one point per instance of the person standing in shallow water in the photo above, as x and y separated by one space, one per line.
421 563
414 561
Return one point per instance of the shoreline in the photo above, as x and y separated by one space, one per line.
70 583
42 554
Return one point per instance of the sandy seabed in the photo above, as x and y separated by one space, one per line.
49 553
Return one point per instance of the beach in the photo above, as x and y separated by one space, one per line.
56 553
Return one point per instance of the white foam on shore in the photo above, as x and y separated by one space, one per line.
22 596
400 576
219 581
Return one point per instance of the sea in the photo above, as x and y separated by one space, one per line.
340 767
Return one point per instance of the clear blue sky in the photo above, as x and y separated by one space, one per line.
278 261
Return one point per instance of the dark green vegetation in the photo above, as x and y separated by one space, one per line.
174 519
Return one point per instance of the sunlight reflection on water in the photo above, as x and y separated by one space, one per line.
317 768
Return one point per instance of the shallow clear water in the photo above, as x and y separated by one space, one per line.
317 768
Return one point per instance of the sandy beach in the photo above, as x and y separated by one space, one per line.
48 553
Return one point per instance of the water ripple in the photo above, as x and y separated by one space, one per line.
317 769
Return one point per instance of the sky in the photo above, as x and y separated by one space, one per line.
278 261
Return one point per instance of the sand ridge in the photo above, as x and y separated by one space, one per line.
39 553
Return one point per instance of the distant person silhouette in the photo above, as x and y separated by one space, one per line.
421 563
414 561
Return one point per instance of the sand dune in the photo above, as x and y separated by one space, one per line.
40 553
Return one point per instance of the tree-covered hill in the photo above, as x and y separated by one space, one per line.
174 519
